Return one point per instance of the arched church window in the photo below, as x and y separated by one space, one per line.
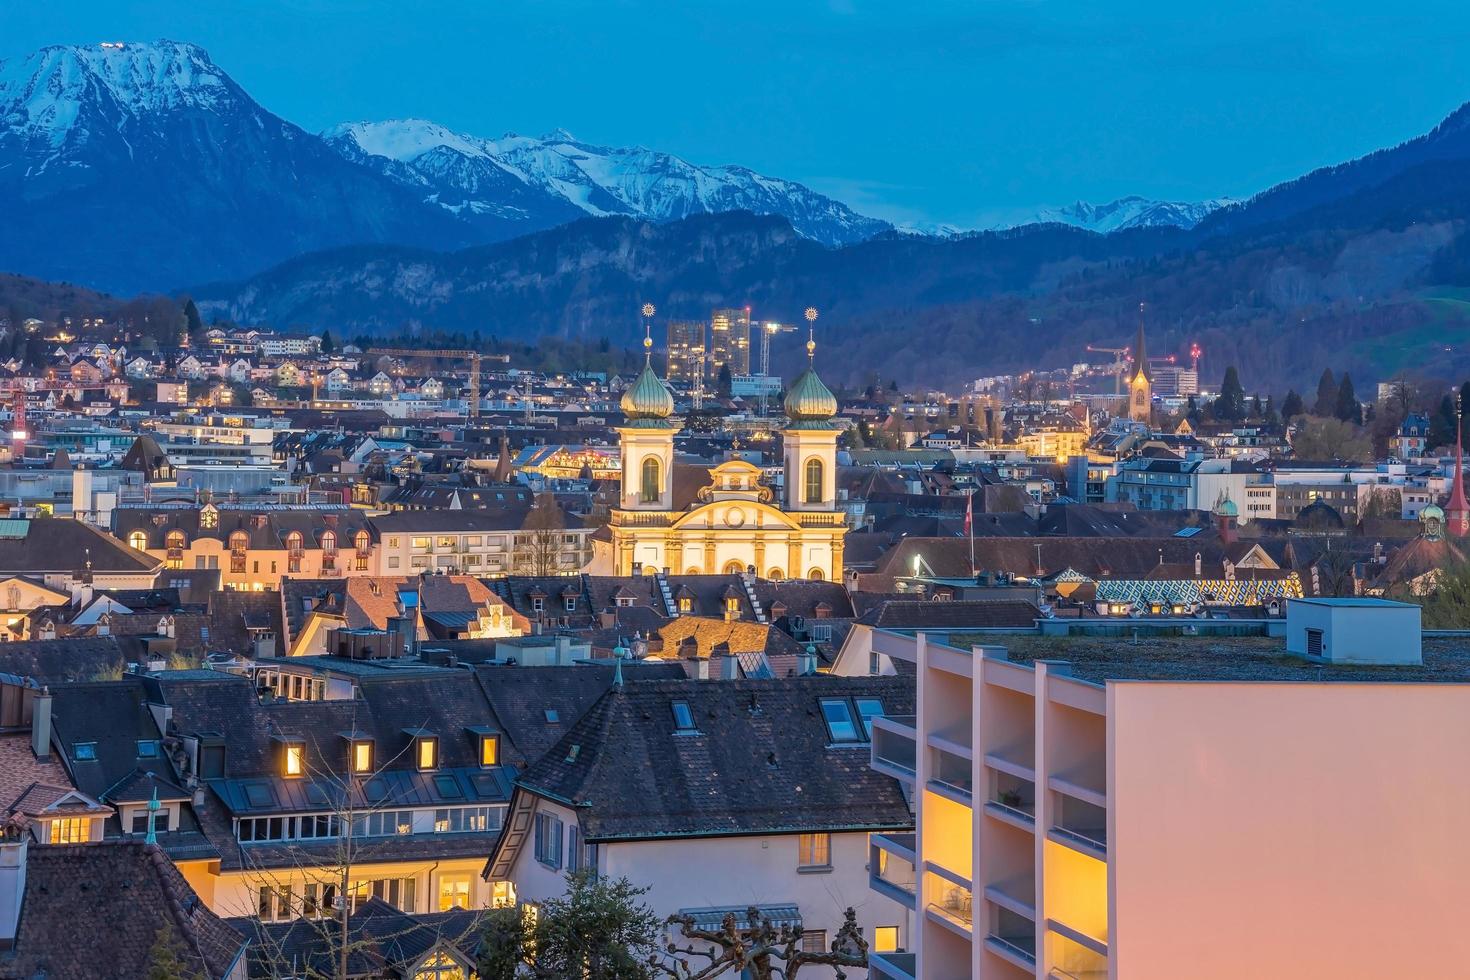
648 492
815 575
812 482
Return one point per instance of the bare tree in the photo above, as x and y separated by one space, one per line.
539 542
766 950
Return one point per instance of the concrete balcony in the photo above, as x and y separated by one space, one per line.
1012 937
950 774
950 904
893 966
891 859
895 746
1080 824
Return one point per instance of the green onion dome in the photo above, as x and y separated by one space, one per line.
809 400
647 398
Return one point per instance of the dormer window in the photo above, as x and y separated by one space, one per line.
426 751
489 750
294 759
686 604
362 756
569 602
138 541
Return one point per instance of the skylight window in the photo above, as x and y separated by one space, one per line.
683 717
868 709
84 751
147 748
838 715
552 715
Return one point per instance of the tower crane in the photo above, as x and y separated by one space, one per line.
769 329
1120 364
473 356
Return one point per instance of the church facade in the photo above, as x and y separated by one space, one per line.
736 522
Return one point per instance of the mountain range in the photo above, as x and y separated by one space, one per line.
137 167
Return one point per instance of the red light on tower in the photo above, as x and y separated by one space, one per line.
1194 356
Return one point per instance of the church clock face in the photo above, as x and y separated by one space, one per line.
735 517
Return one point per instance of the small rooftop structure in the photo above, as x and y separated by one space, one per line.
1354 631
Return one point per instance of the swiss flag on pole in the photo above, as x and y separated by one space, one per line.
969 514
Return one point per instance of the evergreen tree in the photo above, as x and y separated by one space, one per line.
1348 408
1326 403
1442 424
192 323
1292 406
723 381
1465 411
1230 406
328 345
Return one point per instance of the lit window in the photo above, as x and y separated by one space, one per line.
428 752
683 717
839 720
686 604
295 759
814 851
885 939
72 830
138 541
362 756
454 892
489 750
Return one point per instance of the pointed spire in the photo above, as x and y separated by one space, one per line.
1457 510
153 808
811 335
1140 352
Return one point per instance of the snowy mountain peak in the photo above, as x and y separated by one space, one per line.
1130 212
555 174
49 92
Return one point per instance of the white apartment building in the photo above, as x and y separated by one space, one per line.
477 542
1165 809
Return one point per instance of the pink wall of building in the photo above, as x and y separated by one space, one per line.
1288 830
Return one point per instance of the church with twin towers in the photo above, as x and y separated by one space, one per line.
728 520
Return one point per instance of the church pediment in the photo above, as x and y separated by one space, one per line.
735 515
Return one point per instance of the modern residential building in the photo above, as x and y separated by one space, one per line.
729 343
686 350
1119 810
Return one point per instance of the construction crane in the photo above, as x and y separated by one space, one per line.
769 329
1120 363
473 356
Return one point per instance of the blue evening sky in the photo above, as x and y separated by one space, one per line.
929 110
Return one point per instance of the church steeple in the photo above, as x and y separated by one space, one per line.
1140 353
1140 382
1457 509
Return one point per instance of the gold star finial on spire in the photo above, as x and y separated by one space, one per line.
811 331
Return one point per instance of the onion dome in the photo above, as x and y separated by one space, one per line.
809 400
1225 507
647 399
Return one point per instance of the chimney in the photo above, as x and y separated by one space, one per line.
1198 565
806 661
12 885
729 664
695 664
41 724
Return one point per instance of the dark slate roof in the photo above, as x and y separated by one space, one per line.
113 716
382 941
59 545
521 697
232 614
70 659
94 911
761 763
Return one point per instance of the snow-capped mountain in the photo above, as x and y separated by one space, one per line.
551 174
1129 212
145 166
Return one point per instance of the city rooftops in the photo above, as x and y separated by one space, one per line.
1098 659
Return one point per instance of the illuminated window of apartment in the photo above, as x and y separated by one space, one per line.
427 752
686 604
454 892
683 718
502 894
71 830
885 939
838 715
362 755
295 759
489 750
814 852
138 541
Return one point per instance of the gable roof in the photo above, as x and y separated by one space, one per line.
762 761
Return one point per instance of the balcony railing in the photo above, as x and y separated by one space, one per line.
953 902
952 772
894 745
1081 822
893 966
892 873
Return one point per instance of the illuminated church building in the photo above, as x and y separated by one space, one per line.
734 523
